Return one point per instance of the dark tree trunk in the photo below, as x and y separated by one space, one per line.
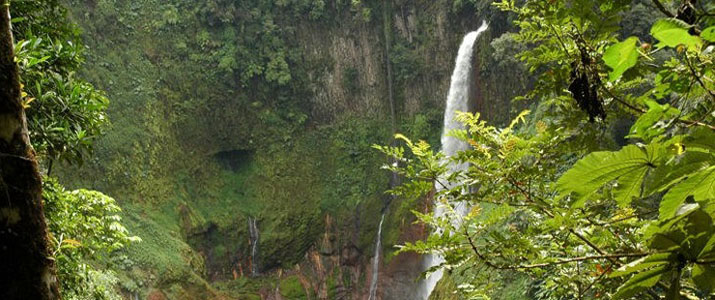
26 270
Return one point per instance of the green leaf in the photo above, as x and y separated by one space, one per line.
687 233
701 138
699 230
621 57
629 166
708 34
676 169
645 127
641 264
700 185
704 277
708 249
674 32
640 282
34 60
663 242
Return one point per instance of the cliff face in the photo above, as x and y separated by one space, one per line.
228 114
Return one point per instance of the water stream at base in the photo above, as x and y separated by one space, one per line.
457 100
254 236
376 261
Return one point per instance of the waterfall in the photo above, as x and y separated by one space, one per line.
457 100
376 261
254 236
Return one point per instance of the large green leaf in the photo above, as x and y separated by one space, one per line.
701 138
674 32
641 264
699 230
667 235
621 57
708 249
628 166
676 169
704 277
644 127
708 34
700 185
688 233
640 282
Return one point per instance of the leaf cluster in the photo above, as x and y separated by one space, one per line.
85 232
65 113
539 197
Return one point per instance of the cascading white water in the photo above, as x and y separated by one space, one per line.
376 261
457 100
254 236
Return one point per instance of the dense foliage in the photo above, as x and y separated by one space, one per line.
196 83
85 230
561 195
65 114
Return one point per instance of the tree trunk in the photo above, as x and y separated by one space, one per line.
26 270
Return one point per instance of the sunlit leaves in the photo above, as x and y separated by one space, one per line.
708 34
67 113
674 32
628 166
85 232
673 172
639 265
700 185
640 282
621 57
650 124
29 61
653 196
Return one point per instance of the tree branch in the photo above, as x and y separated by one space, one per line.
546 264
642 111
697 77
571 230
600 277
662 9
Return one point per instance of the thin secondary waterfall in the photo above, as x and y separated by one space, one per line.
254 236
376 261
457 100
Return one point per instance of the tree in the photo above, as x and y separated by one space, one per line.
28 271
554 196
65 113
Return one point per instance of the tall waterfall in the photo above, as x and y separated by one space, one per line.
376 261
457 100
254 236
